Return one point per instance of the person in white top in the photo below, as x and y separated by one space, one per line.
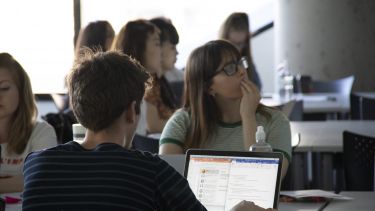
20 133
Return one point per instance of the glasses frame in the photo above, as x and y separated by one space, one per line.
231 68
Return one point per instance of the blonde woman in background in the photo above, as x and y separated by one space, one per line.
20 133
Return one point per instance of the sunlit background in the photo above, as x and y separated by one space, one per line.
39 33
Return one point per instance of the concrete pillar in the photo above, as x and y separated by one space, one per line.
328 39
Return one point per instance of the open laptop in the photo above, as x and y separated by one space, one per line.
221 179
177 161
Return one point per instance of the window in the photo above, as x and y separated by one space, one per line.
197 21
39 35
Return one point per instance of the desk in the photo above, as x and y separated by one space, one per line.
299 206
315 102
326 136
362 201
45 106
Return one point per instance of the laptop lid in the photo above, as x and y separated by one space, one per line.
221 179
176 161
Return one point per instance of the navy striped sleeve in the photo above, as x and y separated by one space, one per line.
173 190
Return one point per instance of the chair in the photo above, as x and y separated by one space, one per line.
342 86
362 108
302 84
178 90
144 143
358 161
293 110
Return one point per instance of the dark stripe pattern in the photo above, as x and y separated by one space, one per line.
109 177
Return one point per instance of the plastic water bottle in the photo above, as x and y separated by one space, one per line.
285 81
78 132
261 145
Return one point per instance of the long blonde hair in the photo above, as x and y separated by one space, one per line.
23 121
200 69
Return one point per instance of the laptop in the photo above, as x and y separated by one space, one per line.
176 161
221 179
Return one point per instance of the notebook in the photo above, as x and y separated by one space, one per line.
221 179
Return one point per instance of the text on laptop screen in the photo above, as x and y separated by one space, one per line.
220 182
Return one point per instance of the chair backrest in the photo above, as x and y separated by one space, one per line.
144 143
302 84
293 110
178 90
361 107
342 86
62 123
358 161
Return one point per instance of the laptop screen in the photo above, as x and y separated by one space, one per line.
221 179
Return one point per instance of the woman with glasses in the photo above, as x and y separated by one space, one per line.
235 29
221 107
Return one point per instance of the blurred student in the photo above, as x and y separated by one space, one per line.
140 39
235 29
96 35
20 132
172 77
169 39
221 108
102 173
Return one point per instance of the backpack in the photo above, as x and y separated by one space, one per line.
62 123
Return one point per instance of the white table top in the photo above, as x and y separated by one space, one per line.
299 206
362 201
45 107
326 136
315 102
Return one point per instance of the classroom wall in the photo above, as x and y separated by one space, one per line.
328 39
263 48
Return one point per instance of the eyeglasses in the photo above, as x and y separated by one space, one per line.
231 68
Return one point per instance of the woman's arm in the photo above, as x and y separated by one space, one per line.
249 103
11 184
170 149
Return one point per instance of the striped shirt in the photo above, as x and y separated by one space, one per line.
109 177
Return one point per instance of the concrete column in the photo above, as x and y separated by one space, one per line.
328 39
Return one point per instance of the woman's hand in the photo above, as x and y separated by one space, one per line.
250 98
248 206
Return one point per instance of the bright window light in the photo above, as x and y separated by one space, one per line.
197 21
39 34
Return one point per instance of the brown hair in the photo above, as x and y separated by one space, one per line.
23 122
132 38
200 69
95 36
102 85
238 21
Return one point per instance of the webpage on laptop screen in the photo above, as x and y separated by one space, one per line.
220 182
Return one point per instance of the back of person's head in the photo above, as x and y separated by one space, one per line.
96 35
132 38
102 85
167 31
23 120
237 21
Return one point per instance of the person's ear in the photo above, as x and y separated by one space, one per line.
211 92
131 113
